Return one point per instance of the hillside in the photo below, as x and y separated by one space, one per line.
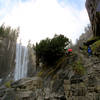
74 76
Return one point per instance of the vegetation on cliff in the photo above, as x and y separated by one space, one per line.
48 51
96 48
7 31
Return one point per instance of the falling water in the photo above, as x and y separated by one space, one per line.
21 62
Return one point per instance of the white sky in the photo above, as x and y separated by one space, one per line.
39 19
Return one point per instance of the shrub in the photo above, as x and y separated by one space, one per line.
48 51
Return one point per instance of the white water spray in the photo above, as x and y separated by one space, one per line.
21 62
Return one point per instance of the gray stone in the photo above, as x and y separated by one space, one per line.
93 9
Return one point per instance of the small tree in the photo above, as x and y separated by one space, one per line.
48 51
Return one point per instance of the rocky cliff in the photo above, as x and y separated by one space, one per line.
8 39
93 9
70 79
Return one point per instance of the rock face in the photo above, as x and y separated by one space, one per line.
7 55
32 62
24 89
60 83
93 9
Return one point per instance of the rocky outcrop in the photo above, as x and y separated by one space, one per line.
93 9
24 89
60 83
82 90
76 88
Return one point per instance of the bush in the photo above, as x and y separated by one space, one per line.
48 51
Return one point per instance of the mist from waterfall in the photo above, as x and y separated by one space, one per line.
22 60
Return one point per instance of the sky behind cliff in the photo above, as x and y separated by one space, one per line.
39 19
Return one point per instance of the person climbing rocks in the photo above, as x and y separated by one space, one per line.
69 51
89 51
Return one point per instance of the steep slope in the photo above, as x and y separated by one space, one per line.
74 77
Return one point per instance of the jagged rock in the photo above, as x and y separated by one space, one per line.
92 81
93 9
76 79
28 83
24 94
24 89
97 88
9 95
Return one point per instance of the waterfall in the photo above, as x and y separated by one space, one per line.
21 62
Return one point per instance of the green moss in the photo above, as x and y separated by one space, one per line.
92 40
8 84
96 47
40 73
78 67
85 49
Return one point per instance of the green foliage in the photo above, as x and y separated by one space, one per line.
8 32
96 47
48 51
78 67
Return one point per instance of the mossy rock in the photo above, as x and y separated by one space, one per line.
40 73
84 51
92 40
8 84
78 67
96 48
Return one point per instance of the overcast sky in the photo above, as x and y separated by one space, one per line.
39 19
